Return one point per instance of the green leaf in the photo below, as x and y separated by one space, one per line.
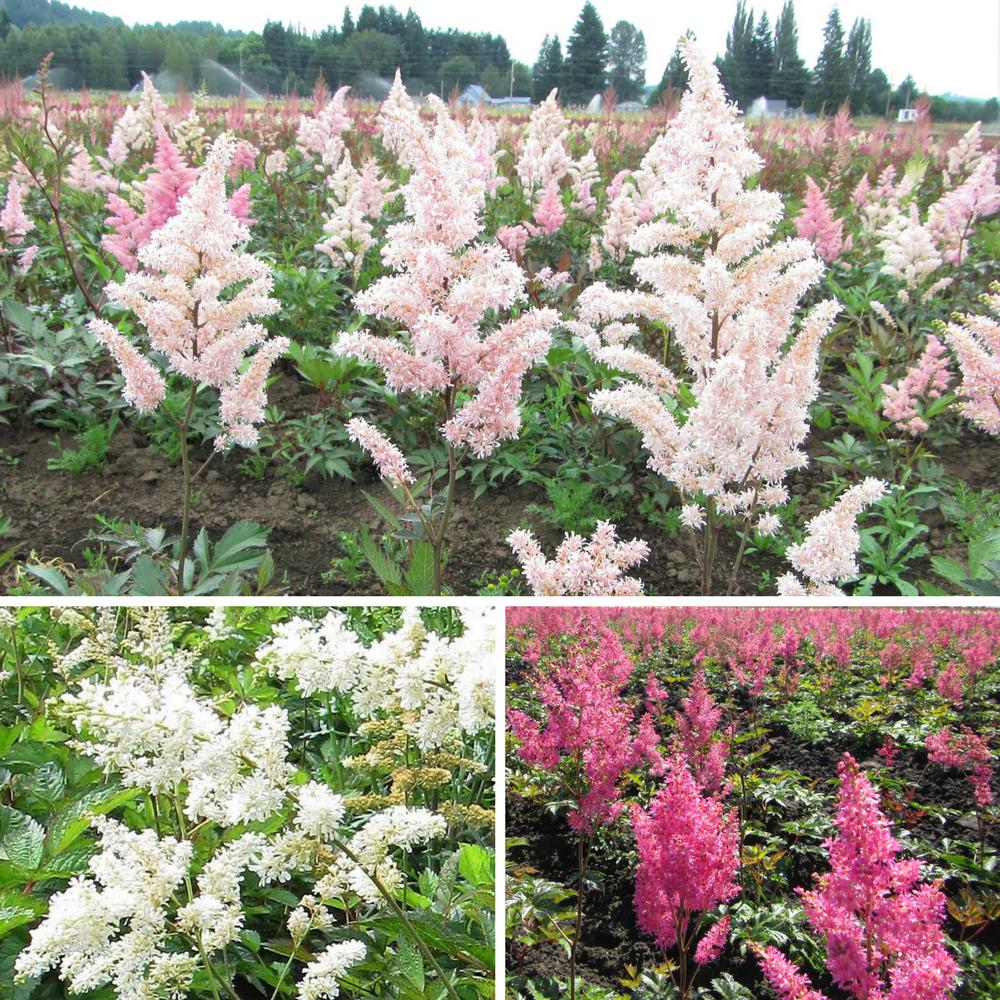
411 962
419 579
17 909
23 839
476 864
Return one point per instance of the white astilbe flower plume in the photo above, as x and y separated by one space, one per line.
196 296
321 980
109 926
152 727
975 339
447 683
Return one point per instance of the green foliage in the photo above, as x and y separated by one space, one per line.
94 442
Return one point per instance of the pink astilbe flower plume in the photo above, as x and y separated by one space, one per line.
786 980
951 219
581 567
926 380
966 751
160 193
586 727
817 223
688 846
708 270
882 924
696 724
389 460
195 295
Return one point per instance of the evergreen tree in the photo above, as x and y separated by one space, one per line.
675 77
347 25
415 54
761 59
831 84
736 66
859 62
367 19
585 65
627 61
789 76
548 69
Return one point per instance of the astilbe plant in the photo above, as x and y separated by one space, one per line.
196 294
586 738
882 924
975 339
724 298
970 753
581 567
817 223
688 845
160 909
444 283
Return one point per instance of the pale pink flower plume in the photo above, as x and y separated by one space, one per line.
195 295
926 380
975 340
549 213
388 459
581 567
952 218
513 239
144 385
688 846
817 223
968 752
320 137
964 156
359 197
730 307
13 222
828 553
443 282
545 158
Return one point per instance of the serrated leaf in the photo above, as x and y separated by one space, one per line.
23 839
411 962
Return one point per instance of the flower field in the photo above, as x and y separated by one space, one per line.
753 803
324 346
247 802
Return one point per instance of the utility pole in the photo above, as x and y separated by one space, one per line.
511 94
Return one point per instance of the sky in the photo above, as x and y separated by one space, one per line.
951 47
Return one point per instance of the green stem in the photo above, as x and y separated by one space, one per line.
398 910
182 429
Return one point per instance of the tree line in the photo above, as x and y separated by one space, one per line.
102 52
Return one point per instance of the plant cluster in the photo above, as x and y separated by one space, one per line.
178 823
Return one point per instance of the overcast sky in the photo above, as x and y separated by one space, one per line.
951 46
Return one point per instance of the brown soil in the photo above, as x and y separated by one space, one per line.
52 512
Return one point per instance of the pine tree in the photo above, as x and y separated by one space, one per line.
761 59
548 70
832 77
859 62
736 66
347 25
789 76
675 76
627 61
585 66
